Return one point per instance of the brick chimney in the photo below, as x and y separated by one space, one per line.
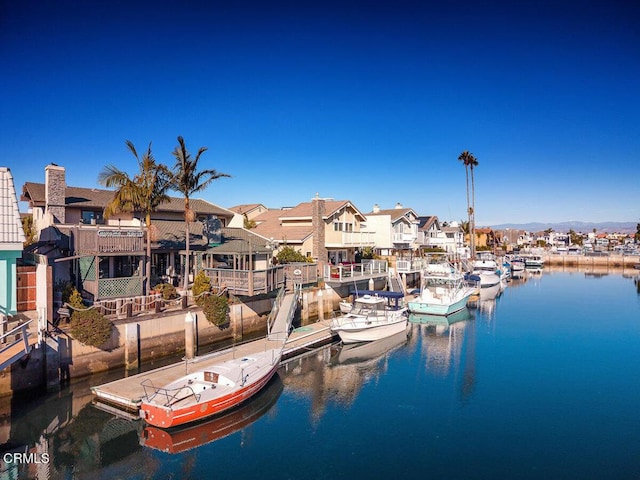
55 186
319 252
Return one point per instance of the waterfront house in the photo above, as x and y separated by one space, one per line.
105 258
485 238
11 242
395 230
324 230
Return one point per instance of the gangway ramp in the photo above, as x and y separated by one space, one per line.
282 314
13 351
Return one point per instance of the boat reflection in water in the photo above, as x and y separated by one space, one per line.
488 297
443 340
442 323
180 439
368 352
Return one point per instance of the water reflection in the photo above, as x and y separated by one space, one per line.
442 339
181 439
488 298
338 373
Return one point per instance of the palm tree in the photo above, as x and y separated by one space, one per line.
187 180
470 162
143 193
473 162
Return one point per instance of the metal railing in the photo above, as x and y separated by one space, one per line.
353 270
273 314
170 395
408 266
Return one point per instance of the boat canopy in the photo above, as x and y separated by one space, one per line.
396 296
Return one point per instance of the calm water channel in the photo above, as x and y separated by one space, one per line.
542 382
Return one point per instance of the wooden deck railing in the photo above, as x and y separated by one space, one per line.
96 240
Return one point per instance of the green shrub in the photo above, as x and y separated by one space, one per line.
75 299
167 291
90 327
201 284
215 308
289 255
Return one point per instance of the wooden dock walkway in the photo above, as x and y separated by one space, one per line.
124 396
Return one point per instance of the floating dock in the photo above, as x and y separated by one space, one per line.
123 397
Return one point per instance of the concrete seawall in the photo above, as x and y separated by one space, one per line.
146 338
610 261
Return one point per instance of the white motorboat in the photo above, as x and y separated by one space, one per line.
345 306
371 318
534 261
442 294
486 267
517 264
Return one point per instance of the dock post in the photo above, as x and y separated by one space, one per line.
328 305
305 307
132 346
189 335
320 303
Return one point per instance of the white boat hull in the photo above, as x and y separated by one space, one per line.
361 329
488 279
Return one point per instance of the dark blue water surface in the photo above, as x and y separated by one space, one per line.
542 382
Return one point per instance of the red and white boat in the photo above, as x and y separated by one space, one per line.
208 391
186 437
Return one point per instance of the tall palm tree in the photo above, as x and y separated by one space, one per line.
473 162
143 193
187 180
470 162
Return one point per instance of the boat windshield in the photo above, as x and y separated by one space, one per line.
364 306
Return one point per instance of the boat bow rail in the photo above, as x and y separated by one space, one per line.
170 395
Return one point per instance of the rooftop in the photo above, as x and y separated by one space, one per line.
11 232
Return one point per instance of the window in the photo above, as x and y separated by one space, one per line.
91 217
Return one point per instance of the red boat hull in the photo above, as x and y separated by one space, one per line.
165 417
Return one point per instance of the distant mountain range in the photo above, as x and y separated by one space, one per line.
564 227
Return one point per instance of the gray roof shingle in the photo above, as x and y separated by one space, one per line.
10 225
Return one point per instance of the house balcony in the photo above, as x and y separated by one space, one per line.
404 238
101 240
350 271
411 266
356 239
424 239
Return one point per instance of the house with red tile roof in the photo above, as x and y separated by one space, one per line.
325 230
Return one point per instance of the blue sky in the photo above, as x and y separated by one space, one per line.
367 101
